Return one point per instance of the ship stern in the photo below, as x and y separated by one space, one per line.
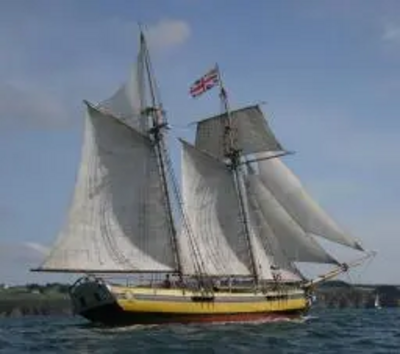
92 299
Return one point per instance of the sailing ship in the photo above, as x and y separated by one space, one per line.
228 240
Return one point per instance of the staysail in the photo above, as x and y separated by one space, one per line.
280 263
290 193
117 221
297 245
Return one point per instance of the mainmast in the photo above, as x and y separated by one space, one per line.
156 131
233 154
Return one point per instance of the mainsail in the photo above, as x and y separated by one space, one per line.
211 204
117 220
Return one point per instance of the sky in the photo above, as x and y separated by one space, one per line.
328 72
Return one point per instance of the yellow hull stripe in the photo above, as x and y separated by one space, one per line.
211 307
225 302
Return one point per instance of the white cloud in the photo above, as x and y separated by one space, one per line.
391 32
46 98
168 33
29 107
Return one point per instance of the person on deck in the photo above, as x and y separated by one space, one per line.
167 282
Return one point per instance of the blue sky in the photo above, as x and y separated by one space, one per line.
328 70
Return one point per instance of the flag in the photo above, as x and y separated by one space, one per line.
205 83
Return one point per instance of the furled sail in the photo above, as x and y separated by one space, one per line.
293 241
252 131
289 192
211 204
117 221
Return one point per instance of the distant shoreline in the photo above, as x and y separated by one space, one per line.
35 307
53 299
35 300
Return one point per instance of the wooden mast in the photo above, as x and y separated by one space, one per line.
233 153
159 123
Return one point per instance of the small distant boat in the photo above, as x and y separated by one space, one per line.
377 302
227 241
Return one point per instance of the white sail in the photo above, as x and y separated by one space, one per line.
117 220
279 262
267 249
211 204
289 192
129 101
293 241
261 257
252 133
377 302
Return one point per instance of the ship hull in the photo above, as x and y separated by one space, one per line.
120 306
114 315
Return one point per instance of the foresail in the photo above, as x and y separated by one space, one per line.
209 198
293 241
117 220
289 192
250 127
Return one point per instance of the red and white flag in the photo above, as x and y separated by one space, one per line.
205 83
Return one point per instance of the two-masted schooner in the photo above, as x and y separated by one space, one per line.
227 239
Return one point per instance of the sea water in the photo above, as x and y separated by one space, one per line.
324 331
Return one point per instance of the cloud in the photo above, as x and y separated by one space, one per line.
391 33
41 91
168 34
29 107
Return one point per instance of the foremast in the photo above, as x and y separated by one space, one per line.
120 219
158 125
